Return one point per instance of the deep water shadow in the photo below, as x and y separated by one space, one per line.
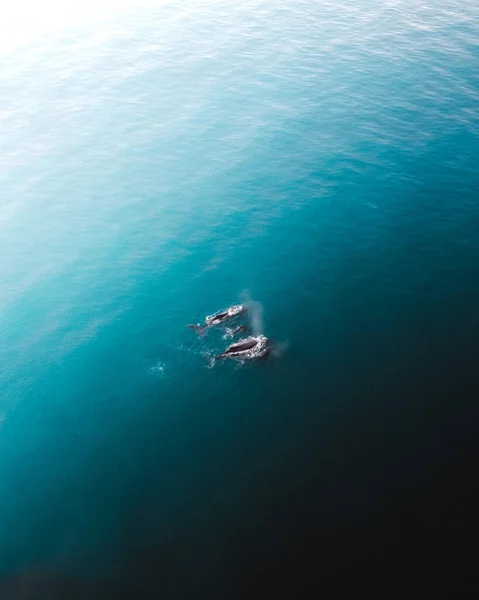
42 584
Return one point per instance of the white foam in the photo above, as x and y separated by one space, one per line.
158 370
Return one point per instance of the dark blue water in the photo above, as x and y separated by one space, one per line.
161 163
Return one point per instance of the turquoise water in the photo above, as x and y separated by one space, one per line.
161 163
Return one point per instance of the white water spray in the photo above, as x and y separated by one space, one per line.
255 312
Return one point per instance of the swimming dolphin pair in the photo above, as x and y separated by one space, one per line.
252 347
234 332
222 317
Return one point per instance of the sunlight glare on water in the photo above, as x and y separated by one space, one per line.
161 161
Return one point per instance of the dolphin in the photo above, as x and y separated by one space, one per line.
219 318
252 347
233 332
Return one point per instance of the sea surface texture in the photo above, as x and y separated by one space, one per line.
162 161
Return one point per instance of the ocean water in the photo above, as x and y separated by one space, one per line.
161 161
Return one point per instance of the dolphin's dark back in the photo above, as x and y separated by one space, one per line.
242 329
241 346
221 315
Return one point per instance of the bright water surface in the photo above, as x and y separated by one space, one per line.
162 162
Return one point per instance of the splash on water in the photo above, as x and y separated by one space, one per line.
255 312
279 349
158 370
256 317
